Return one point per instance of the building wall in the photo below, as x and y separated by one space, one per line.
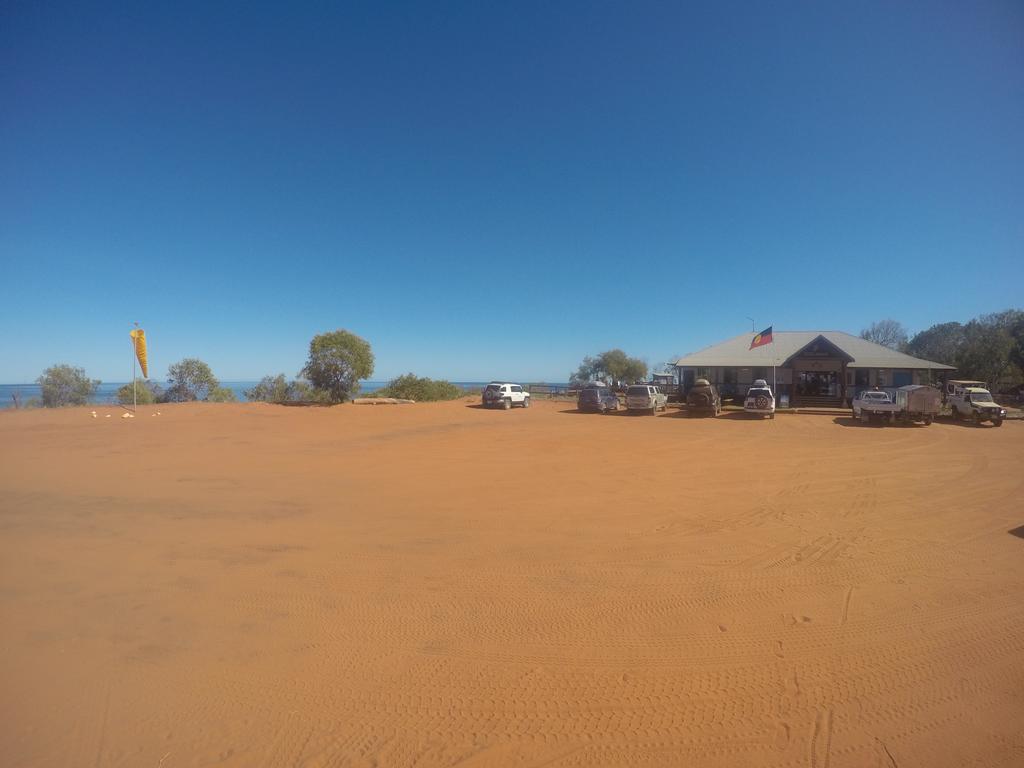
738 379
817 364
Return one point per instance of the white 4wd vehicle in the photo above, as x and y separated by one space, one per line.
646 397
499 394
760 400
970 400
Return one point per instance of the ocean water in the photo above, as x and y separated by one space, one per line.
106 393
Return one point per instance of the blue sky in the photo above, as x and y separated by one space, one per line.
497 189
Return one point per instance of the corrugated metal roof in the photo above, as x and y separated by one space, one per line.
866 354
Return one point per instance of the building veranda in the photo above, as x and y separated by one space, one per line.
822 368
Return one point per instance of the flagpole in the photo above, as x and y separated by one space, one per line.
135 399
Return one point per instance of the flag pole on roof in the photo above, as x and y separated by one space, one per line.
763 339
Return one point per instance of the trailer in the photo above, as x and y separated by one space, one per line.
917 402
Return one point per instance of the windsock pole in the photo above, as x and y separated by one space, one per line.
135 398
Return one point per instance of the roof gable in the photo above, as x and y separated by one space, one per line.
859 353
819 346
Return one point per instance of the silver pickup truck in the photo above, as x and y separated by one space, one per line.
871 404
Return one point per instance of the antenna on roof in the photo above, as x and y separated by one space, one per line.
751 324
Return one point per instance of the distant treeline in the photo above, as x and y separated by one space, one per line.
988 348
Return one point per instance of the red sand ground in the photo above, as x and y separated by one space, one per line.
433 585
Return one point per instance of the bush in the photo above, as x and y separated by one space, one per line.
221 395
337 361
190 379
412 387
146 392
66 385
277 389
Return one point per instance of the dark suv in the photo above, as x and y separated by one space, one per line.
599 399
703 398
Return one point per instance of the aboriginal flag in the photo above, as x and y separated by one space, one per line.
764 337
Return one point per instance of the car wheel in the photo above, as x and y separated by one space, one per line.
864 418
506 403
997 422
526 402
956 414
927 421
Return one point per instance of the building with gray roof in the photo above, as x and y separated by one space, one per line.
810 367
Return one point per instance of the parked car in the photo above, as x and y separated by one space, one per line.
871 404
599 399
760 399
970 400
500 394
645 397
703 398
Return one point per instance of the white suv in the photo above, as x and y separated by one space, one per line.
504 395
759 399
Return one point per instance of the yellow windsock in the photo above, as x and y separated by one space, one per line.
139 340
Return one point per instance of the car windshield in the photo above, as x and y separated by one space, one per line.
637 391
875 396
590 394
758 392
981 397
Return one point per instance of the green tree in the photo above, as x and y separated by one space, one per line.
190 379
66 385
337 361
941 343
610 366
588 371
1017 333
635 370
990 349
146 393
888 333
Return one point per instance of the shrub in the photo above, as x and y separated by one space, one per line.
412 387
190 379
146 393
270 389
277 389
66 385
221 395
337 361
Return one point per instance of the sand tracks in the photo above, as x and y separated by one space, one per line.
359 587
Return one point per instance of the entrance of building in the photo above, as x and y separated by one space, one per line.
817 388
